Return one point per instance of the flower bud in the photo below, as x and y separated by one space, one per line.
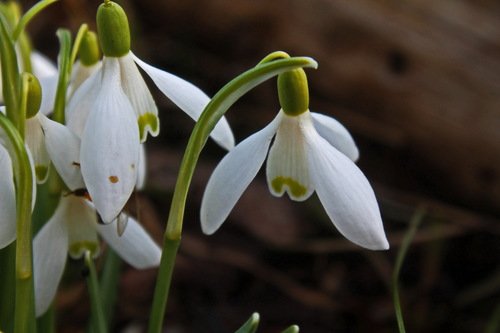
89 49
33 96
113 29
293 92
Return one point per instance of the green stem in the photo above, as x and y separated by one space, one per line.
76 46
64 68
10 74
213 112
24 305
98 321
109 284
405 245
47 322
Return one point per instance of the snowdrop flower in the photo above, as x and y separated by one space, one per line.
113 111
73 230
311 152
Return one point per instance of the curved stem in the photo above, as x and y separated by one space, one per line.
213 112
24 304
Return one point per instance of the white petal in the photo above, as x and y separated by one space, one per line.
287 164
7 200
33 177
42 66
135 246
82 102
50 250
81 222
36 143
49 89
345 194
80 73
232 176
336 134
110 146
63 147
141 169
138 92
189 98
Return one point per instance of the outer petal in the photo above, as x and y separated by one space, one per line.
110 146
63 147
232 176
50 250
141 169
336 134
346 194
82 102
49 89
36 143
81 73
42 66
189 98
138 92
135 246
287 167
7 200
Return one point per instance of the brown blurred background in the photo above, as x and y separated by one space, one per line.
418 85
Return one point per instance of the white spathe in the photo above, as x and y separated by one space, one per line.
301 160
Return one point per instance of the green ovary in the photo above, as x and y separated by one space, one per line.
147 120
297 190
78 249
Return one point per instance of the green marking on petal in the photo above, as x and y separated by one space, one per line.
41 172
148 122
78 249
295 188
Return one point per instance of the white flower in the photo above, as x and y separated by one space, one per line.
112 112
73 229
311 152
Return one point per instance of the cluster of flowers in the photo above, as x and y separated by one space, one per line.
99 154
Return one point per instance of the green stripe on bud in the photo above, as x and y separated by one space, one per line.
293 92
34 94
113 29
89 51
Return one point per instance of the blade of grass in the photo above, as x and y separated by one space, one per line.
410 234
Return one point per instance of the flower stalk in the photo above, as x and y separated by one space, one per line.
213 112
24 305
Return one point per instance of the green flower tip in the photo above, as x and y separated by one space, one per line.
293 92
34 94
89 51
113 29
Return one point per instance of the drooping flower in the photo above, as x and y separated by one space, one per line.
73 230
311 152
113 111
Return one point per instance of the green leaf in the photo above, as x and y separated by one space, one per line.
291 329
251 325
